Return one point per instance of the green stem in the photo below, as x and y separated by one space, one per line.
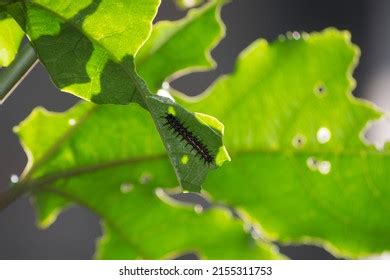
11 76
25 186
12 194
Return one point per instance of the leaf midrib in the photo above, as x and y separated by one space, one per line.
81 170
40 182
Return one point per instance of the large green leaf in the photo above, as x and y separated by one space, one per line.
50 204
300 167
179 47
88 48
114 169
11 36
115 175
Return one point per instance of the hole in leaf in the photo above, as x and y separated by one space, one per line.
320 89
324 167
72 122
296 35
184 159
145 178
126 187
312 163
323 135
298 141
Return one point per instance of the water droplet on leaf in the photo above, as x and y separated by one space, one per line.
14 178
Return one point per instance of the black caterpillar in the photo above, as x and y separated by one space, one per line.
181 131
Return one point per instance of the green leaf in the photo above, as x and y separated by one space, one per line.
124 154
167 230
176 48
49 206
300 167
11 36
113 169
89 48
190 161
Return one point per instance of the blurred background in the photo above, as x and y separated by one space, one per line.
73 235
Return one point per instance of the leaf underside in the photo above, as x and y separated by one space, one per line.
116 177
116 174
294 131
301 170
88 48
11 36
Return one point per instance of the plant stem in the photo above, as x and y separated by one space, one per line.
11 76
25 186
12 194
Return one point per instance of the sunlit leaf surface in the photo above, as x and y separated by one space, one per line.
300 168
11 36
116 172
88 48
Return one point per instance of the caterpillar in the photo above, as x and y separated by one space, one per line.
196 144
